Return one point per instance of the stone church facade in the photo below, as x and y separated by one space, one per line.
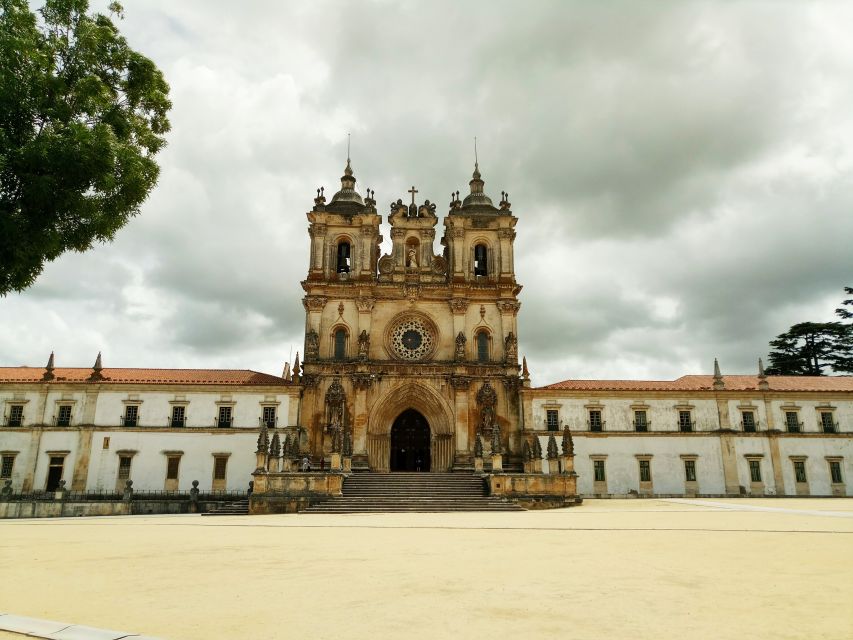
411 363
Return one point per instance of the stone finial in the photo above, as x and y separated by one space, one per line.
294 446
537 448
346 448
525 374
263 439
96 369
478 446
285 445
48 370
762 377
296 368
568 443
718 377
526 452
275 446
553 454
286 372
497 448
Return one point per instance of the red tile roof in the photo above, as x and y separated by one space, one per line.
705 383
144 376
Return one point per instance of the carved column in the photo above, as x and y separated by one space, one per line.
379 452
458 307
314 305
361 383
368 241
457 249
398 251
506 237
460 386
317 231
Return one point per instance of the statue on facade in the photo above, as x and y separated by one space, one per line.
312 345
363 344
487 399
460 346
511 348
412 258
335 405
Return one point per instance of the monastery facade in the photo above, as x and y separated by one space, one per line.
411 363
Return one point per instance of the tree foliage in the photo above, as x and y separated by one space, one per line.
809 348
841 311
82 116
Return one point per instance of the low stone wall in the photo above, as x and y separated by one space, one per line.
292 492
536 490
23 508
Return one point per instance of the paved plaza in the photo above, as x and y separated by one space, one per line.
657 568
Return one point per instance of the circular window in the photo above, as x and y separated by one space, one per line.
412 338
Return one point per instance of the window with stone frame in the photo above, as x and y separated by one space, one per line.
483 347
63 415
641 420
800 471
595 421
6 466
225 416
269 418
645 470
748 420
131 415
835 472
220 467
173 464
179 416
124 463
827 422
343 263
792 421
16 415
481 260
755 470
685 420
340 344
690 470
552 419
598 470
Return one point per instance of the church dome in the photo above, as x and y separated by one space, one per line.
347 194
477 200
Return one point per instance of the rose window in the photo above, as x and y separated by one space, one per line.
411 339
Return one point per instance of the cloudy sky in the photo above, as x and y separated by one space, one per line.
681 173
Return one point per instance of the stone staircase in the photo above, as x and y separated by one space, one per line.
412 492
236 508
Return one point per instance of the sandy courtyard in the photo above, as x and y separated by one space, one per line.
609 569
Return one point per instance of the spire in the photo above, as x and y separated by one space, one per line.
762 377
275 446
477 198
718 378
286 372
98 366
48 370
524 372
347 196
296 369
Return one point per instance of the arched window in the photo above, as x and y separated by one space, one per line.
343 257
481 260
483 347
340 344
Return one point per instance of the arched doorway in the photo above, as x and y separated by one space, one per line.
410 442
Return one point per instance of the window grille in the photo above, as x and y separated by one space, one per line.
224 417
827 422
16 415
124 467
748 418
755 470
220 465
595 423
598 470
131 415
179 416
269 417
63 417
641 421
6 467
690 470
800 470
552 419
685 421
645 471
792 421
834 471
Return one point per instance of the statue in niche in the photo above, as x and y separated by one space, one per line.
460 346
487 399
412 258
363 344
312 344
335 405
511 347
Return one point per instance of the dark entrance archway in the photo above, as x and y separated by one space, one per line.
410 442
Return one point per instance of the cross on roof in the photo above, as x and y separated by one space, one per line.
413 191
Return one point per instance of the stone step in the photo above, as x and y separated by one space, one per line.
236 508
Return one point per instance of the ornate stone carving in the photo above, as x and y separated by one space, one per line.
460 383
426 210
398 233
458 305
497 447
412 258
478 446
412 337
412 291
368 231
361 381
275 446
568 443
511 384
310 380
314 303
511 348
553 454
398 207
346 448
509 306
263 440
335 405
386 265
526 452
365 304
537 448
459 354
487 399
317 229
439 265
506 233
457 233
363 344
312 345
